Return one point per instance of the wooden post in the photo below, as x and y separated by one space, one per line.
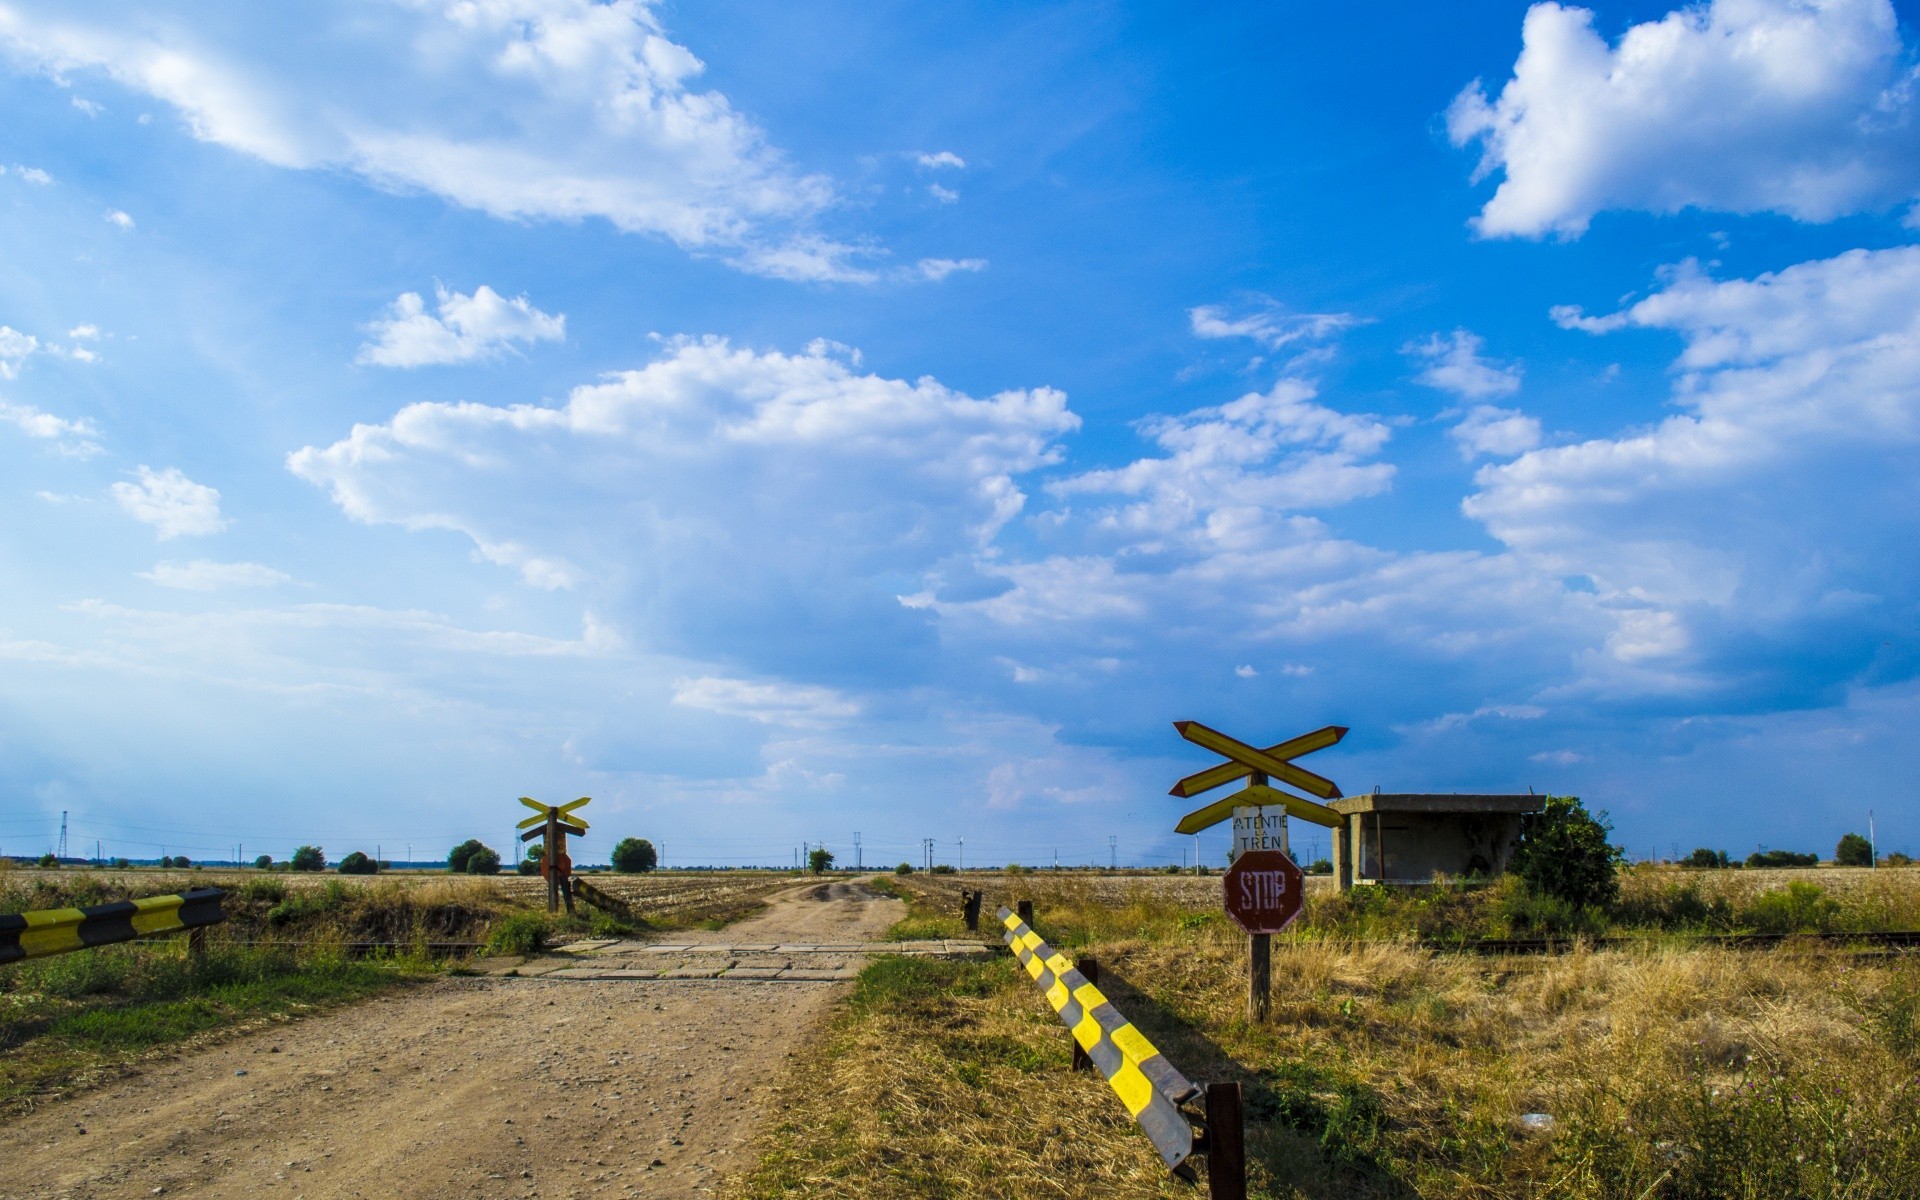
970 910
1091 969
1259 975
546 861
197 942
1226 1145
1025 909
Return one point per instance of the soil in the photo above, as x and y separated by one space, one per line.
490 1086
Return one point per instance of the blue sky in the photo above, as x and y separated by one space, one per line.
785 421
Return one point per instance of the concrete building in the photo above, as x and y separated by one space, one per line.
1410 838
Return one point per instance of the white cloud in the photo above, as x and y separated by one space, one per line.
1270 327
740 479
1230 473
943 159
116 217
1489 430
170 502
201 575
937 269
1558 758
76 436
84 333
1771 501
1454 364
87 106
468 328
14 349
32 174
1245 671
1802 107
944 195
770 703
522 109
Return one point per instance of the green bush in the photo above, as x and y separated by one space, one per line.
1706 859
263 863
1320 866
634 855
521 933
1564 853
1853 851
1782 858
1800 907
943 868
357 863
903 869
270 891
48 860
485 861
1897 859
309 858
461 855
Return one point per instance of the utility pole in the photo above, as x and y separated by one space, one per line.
63 835
926 846
963 854
1113 853
1873 844
856 850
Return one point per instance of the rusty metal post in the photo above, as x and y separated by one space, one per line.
1025 909
197 942
1226 1143
1090 968
970 909
1259 975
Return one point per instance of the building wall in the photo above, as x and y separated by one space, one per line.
1421 845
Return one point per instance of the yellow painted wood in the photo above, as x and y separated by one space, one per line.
1225 773
1257 759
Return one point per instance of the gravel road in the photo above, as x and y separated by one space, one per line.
470 1087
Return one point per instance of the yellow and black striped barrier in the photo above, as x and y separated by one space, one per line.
59 930
1140 1075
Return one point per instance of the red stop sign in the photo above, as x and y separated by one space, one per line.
1265 891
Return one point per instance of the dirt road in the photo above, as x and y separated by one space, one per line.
474 1087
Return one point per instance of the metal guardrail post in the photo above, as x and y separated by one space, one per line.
1091 969
1226 1143
1025 909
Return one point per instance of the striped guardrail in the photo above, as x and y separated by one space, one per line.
1140 1075
60 930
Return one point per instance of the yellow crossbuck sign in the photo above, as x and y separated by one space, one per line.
1245 760
560 812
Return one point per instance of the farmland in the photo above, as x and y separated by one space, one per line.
1657 1070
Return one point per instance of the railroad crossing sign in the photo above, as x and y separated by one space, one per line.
1265 891
554 822
1245 761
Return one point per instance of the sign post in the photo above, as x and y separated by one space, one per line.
1264 892
554 822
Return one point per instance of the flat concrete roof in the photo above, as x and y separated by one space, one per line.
1437 802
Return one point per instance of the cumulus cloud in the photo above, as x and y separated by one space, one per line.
522 109
1768 507
468 328
944 195
716 488
940 160
14 349
1802 107
76 437
30 174
202 575
170 502
116 217
1455 365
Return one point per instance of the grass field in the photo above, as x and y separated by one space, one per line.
1658 1071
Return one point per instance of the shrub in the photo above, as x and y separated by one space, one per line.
358 863
943 868
309 858
1564 853
1800 907
48 860
1782 858
122 864
1706 859
1017 869
264 862
1853 851
1897 859
1320 866
270 891
907 868
634 855
461 855
484 861
182 862
522 933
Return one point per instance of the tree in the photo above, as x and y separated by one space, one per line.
48 860
1705 859
264 862
1782 858
1563 852
182 861
1853 851
121 864
358 863
461 855
536 854
484 861
634 855
819 859
903 869
309 858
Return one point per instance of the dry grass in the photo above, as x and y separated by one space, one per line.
1385 1070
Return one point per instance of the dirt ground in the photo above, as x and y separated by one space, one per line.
471 1087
